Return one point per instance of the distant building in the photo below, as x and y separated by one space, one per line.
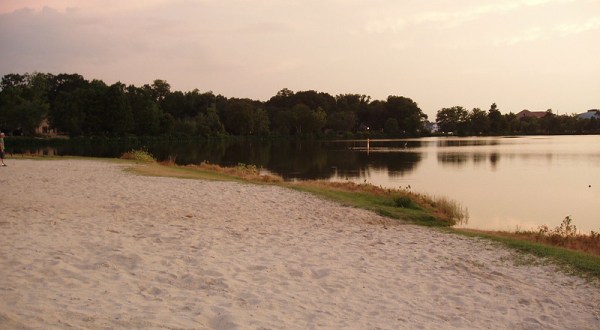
432 127
593 113
531 114
44 128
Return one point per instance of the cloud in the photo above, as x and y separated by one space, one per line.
395 20
393 25
531 34
536 33
452 19
104 6
581 27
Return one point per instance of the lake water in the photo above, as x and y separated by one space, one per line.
505 182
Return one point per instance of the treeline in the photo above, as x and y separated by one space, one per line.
75 106
459 121
71 105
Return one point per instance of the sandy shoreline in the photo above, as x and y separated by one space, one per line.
85 245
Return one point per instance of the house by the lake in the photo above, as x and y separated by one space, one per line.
531 114
593 113
44 128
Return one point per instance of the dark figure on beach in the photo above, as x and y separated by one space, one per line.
2 149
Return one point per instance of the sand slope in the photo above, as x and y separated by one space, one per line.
85 245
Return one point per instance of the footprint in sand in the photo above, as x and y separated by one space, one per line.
320 273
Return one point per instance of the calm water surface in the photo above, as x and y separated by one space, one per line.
505 182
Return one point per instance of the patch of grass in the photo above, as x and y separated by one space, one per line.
577 262
206 171
380 204
241 172
397 204
451 209
565 235
405 202
139 155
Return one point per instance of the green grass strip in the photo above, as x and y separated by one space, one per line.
575 262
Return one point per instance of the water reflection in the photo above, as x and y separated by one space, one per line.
460 159
462 142
291 159
323 160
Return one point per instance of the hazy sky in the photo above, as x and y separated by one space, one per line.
520 54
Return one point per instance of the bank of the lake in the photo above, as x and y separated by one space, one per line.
562 245
86 244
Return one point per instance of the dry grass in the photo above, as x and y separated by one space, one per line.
442 209
241 171
566 236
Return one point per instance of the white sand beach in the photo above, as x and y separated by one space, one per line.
85 245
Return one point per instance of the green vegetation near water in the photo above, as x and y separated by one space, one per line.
576 262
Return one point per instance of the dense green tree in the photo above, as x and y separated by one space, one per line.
209 123
117 109
316 100
245 117
145 111
551 123
13 80
237 117
302 117
23 102
166 123
185 127
512 123
174 104
352 102
96 119
287 99
29 115
76 107
496 121
61 85
352 111
160 89
391 126
342 121
64 83
197 102
376 115
408 114
307 121
73 107
282 100
478 122
282 121
452 120
19 113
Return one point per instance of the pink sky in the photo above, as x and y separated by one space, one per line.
520 54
